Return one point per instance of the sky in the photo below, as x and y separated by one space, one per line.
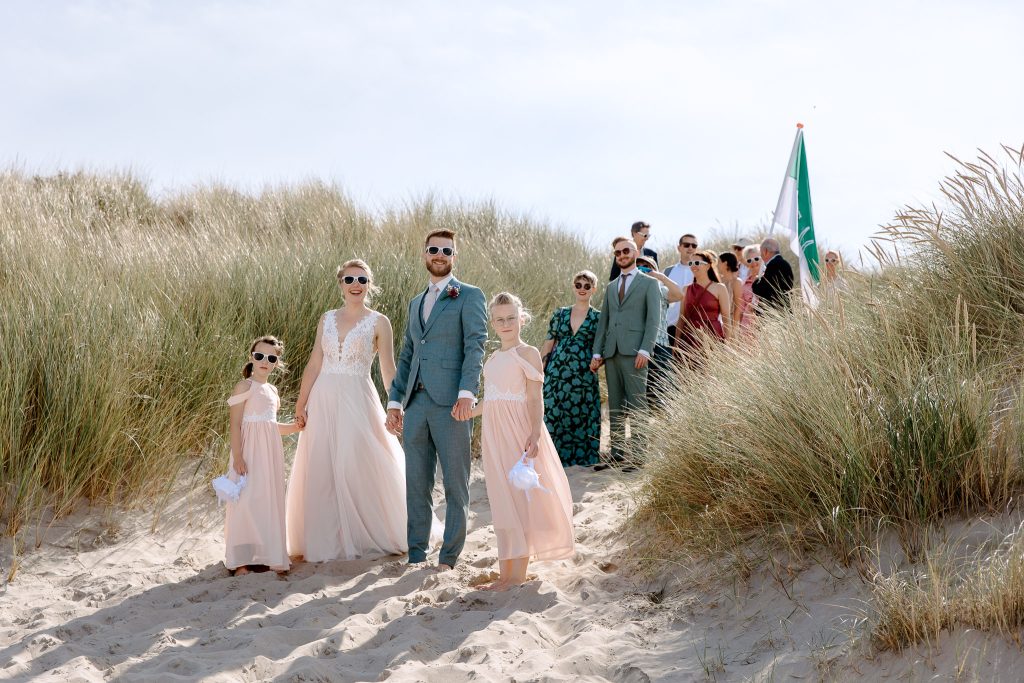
590 115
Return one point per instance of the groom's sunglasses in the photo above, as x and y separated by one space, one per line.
271 358
447 251
349 279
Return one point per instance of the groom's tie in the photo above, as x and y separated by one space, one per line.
428 303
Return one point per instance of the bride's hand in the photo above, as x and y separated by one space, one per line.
393 423
301 415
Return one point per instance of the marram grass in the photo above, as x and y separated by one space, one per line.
892 406
124 320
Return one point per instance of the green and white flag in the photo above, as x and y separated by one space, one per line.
793 217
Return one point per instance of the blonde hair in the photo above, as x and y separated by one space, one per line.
751 250
507 298
372 289
585 275
839 257
270 340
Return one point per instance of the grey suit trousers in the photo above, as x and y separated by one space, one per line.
627 392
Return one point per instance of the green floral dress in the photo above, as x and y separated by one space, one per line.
572 397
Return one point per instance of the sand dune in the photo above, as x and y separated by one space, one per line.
116 602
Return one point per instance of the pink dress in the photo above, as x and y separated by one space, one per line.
254 525
346 494
541 526
747 305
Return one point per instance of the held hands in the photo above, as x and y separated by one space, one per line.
393 423
463 409
596 364
238 463
301 415
641 361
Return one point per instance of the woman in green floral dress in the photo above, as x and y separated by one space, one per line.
572 397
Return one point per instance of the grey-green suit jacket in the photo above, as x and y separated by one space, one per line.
632 326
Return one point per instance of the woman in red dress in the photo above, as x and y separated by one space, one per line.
701 313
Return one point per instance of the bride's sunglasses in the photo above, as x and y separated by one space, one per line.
361 279
271 358
447 251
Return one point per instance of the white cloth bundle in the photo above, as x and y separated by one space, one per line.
228 490
524 477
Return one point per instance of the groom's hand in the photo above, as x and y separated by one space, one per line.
463 409
393 423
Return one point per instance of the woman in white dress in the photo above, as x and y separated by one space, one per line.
346 494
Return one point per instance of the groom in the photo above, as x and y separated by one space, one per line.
433 392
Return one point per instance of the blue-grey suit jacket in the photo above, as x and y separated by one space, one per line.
447 353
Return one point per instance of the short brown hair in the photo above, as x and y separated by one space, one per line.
440 232
620 238
587 276
689 234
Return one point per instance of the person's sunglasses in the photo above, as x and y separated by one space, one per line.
361 279
698 263
271 358
754 259
447 251
688 244
831 260
645 235
625 251
582 285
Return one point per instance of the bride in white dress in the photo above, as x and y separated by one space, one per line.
346 494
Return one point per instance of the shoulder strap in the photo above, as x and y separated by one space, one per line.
240 398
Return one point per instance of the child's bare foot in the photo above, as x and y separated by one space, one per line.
498 585
241 571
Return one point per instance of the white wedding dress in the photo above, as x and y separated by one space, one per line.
346 494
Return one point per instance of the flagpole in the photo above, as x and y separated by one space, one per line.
792 211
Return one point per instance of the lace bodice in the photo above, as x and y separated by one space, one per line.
354 354
505 376
261 402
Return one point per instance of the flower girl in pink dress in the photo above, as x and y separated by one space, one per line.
254 531
533 523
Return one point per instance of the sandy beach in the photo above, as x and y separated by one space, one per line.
113 601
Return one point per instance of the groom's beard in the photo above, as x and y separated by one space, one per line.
439 269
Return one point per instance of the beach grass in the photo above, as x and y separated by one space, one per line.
126 318
893 406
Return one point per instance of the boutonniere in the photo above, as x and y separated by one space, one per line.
452 291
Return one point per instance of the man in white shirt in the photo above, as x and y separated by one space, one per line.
681 274
737 250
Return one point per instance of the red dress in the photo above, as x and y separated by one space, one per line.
700 311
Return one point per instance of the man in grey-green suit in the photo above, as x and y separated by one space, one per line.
626 332
432 397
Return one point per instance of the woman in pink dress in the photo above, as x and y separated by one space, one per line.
527 524
346 493
254 531
748 310
701 314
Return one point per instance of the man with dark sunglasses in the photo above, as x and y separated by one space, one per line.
680 274
641 232
624 344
